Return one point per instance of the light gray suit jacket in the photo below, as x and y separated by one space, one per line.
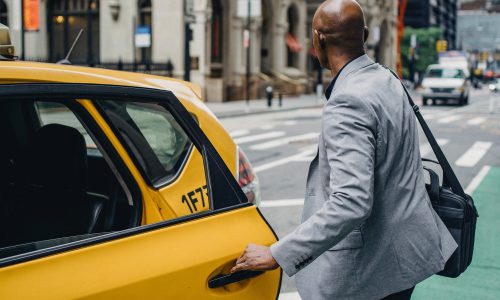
368 228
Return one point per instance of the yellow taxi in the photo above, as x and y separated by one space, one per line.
117 185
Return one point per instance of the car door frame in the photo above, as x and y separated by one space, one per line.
218 176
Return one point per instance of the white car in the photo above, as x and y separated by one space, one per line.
445 83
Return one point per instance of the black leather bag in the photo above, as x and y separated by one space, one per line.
455 208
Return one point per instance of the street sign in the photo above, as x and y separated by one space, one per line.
255 8
143 36
441 45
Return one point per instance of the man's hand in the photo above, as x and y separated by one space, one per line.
255 258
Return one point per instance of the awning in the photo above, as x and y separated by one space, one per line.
292 43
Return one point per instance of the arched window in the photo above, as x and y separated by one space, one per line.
3 13
266 37
293 46
65 19
216 38
145 20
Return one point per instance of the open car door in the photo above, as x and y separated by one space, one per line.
184 258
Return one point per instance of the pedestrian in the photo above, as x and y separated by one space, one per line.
368 229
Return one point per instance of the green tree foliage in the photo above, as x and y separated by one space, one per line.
425 53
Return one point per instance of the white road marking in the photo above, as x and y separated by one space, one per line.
289 123
281 203
285 141
238 133
267 127
449 119
304 159
285 160
258 137
476 121
426 148
290 296
473 154
477 180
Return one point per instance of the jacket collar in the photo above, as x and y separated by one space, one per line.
357 64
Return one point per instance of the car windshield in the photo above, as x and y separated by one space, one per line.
445 73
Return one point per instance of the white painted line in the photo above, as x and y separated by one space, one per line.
473 154
426 148
476 121
477 180
290 296
289 123
238 133
304 159
285 160
282 203
267 127
449 119
258 137
285 141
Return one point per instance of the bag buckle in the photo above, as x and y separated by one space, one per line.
416 109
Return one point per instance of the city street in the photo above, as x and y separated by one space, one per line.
281 146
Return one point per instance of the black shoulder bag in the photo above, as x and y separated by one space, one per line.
455 208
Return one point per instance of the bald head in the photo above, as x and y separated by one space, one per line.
340 24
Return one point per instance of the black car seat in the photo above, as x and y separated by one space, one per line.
51 198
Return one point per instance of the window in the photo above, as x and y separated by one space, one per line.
445 73
65 19
3 13
158 143
63 188
58 113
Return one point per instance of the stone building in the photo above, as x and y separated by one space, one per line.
115 28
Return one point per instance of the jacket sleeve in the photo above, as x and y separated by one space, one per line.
349 132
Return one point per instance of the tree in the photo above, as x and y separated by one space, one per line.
425 52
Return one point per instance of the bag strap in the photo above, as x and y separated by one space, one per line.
449 177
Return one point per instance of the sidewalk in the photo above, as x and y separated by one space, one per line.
259 106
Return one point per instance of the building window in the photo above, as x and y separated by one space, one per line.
216 37
145 21
3 13
293 46
65 20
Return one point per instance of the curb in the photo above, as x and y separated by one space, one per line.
263 111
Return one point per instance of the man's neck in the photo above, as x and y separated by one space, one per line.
338 61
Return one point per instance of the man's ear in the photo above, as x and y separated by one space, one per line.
366 34
321 39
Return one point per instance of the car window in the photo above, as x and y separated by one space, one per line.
58 113
445 73
64 191
161 132
153 136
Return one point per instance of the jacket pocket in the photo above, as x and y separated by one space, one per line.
354 240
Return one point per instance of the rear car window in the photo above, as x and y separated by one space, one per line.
445 73
153 136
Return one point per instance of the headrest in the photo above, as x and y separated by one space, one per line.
58 158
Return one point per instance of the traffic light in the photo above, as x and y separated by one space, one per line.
441 45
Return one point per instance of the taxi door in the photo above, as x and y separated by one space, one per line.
183 258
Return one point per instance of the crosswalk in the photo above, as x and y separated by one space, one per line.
461 154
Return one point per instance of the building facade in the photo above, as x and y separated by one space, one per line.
434 13
146 33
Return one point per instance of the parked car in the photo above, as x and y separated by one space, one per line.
445 83
117 185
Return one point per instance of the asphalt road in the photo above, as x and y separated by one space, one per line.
281 145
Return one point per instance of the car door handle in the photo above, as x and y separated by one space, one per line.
223 279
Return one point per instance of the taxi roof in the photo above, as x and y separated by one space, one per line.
34 72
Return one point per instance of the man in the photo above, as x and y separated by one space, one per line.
368 229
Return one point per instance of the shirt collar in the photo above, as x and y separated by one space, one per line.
329 89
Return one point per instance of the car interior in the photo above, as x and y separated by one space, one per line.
56 186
